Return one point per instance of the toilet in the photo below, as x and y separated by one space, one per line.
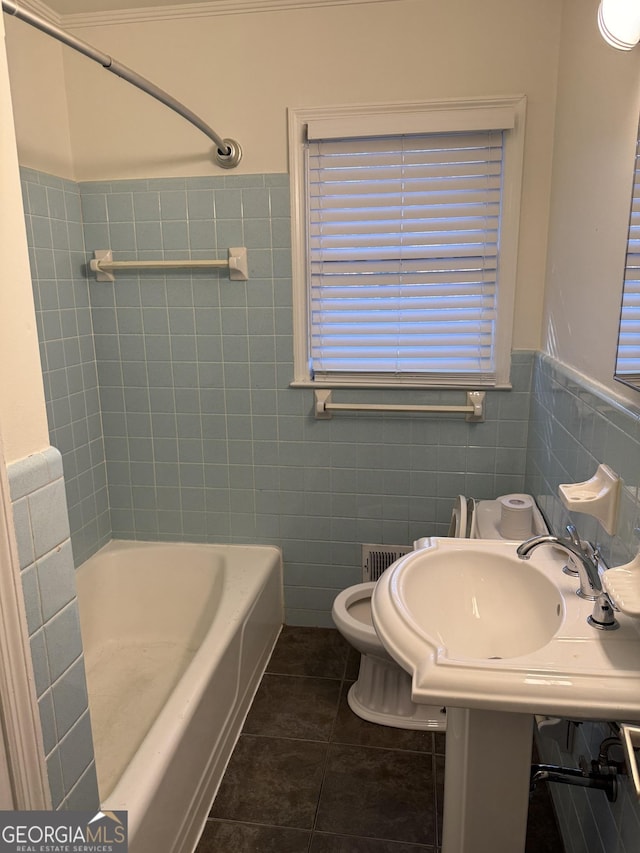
382 692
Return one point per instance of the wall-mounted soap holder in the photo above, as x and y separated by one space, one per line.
598 497
623 586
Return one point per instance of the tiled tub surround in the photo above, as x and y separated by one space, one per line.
63 314
48 580
204 439
574 427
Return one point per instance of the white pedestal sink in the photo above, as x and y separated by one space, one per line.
497 640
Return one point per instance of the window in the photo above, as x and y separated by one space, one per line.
405 233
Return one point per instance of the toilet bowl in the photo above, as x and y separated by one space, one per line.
382 692
352 614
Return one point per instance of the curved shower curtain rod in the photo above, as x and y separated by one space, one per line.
228 151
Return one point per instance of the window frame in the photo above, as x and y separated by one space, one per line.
630 353
391 119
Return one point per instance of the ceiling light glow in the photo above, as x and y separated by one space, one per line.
619 23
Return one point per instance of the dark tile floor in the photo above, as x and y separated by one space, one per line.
309 776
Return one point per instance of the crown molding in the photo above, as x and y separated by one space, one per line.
41 8
208 9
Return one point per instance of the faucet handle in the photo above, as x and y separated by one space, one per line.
573 535
592 552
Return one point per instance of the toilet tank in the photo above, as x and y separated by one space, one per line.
514 516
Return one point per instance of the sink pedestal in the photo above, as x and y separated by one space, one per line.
486 788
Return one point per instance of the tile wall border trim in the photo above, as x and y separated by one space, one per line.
609 396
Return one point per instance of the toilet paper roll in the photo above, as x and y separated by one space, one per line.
516 516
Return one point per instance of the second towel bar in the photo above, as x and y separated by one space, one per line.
324 406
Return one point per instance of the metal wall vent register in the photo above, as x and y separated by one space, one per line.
377 558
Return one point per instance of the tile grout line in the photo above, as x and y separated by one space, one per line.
329 742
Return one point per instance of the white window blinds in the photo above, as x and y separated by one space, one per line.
403 241
628 359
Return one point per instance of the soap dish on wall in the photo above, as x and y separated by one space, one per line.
623 586
598 497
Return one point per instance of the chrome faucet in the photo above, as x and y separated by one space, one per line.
587 561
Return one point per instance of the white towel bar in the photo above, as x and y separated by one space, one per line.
102 264
324 406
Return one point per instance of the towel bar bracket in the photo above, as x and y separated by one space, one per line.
101 256
324 406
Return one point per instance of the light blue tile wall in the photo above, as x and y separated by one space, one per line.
574 427
48 579
63 313
204 439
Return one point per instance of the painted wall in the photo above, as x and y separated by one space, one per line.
23 425
38 87
596 131
241 72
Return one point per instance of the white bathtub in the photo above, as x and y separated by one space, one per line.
176 637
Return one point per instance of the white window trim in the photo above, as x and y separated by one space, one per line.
397 118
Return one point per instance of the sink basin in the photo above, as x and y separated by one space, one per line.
480 606
476 627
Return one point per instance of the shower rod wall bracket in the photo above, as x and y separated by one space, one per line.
103 265
228 159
